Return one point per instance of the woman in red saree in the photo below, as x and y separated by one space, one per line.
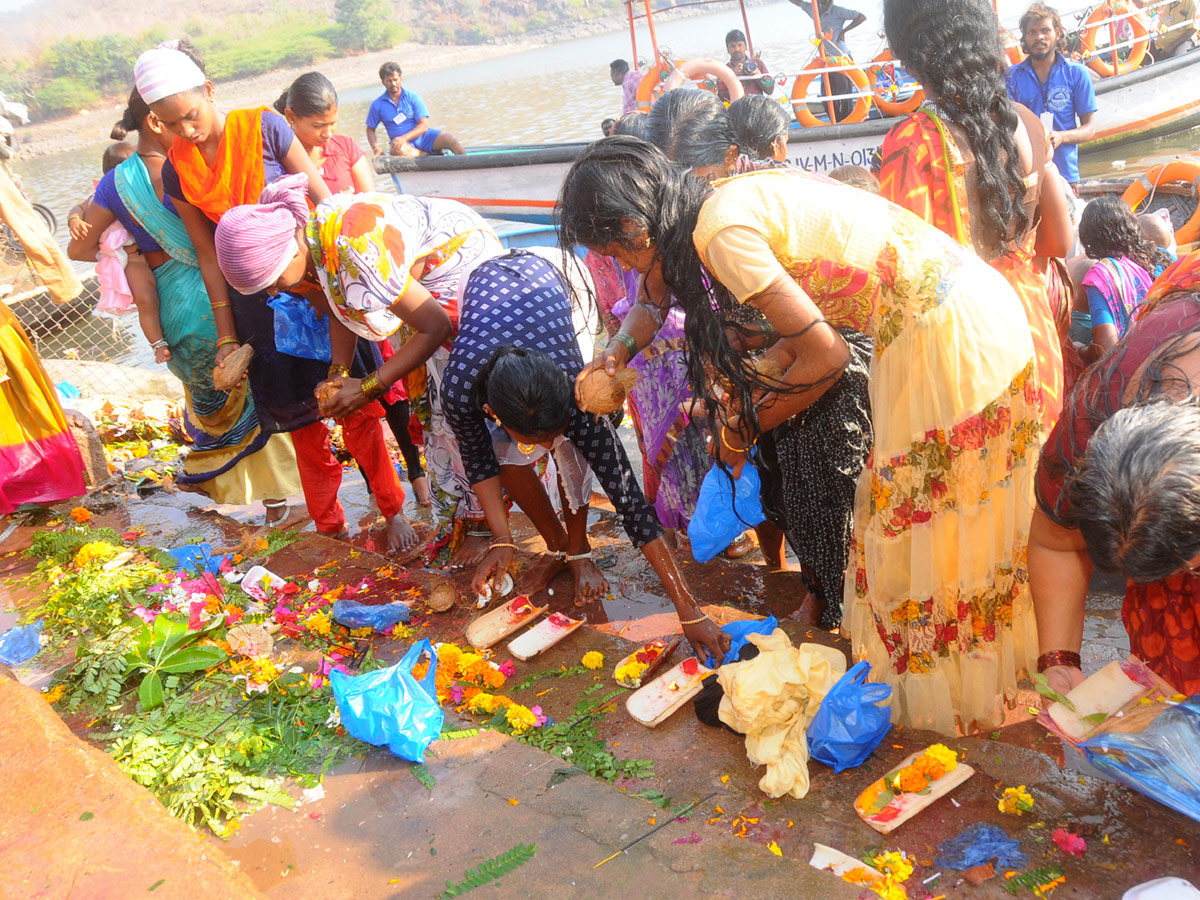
976 165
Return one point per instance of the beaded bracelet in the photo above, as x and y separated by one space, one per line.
703 617
160 344
503 545
579 556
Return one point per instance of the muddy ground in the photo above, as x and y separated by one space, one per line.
378 832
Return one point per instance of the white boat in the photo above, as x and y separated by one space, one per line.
521 183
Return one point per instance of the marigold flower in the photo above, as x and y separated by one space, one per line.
593 659
929 767
889 889
909 780
630 672
81 514
520 718
95 551
1015 801
55 693
893 864
318 623
943 754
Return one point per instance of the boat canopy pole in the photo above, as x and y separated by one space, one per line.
632 33
1112 39
826 87
653 36
746 26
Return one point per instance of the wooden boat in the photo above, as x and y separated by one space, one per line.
521 183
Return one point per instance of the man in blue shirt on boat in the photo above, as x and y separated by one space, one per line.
1047 82
405 119
835 20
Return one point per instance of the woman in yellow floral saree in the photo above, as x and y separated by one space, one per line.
936 594
975 165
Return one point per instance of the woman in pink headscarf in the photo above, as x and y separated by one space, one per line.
257 247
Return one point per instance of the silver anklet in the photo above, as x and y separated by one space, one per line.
579 556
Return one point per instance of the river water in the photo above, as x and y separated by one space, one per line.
562 93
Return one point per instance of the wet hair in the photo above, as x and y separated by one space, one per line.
634 124
132 119
1108 228
526 390
618 65
312 94
619 188
1036 13
691 128
734 35
953 47
856 176
607 126
756 121
1136 492
115 154
389 68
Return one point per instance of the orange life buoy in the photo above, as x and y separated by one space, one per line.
698 67
1100 61
1012 47
650 88
862 105
1176 170
883 96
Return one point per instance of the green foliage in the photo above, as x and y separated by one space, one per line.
61 546
1032 880
165 650
246 49
422 774
365 24
104 63
100 668
489 870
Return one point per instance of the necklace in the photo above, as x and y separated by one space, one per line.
525 448
152 155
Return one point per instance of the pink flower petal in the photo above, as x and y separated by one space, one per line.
1070 843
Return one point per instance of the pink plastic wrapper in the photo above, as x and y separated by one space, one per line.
115 296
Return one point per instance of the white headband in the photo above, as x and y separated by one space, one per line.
163 72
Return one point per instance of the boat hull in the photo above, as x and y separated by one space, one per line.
522 183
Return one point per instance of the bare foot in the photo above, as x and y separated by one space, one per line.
473 549
590 583
401 535
542 573
420 488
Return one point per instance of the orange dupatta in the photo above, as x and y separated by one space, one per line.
236 176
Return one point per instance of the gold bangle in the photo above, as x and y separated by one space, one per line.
703 616
335 370
223 304
729 446
372 387
500 545
221 342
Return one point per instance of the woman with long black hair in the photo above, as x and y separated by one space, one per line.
936 595
977 166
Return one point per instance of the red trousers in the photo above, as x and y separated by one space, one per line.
321 474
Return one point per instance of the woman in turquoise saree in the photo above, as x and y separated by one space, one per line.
230 460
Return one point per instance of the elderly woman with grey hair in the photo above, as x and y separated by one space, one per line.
1118 488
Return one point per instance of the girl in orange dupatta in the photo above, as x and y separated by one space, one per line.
976 166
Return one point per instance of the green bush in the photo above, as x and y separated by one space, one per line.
65 96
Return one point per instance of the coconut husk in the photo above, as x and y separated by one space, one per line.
442 596
326 391
600 395
765 368
228 376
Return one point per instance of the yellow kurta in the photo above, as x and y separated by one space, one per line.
937 595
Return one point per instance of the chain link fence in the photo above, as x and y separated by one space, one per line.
97 355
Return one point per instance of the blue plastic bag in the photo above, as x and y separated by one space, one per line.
353 614
298 329
850 723
724 509
740 632
20 643
195 556
389 706
1162 761
979 844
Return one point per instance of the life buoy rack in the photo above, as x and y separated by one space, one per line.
696 68
862 105
883 96
1187 170
652 85
1100 61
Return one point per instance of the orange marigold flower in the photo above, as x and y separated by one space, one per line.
909 780
81 514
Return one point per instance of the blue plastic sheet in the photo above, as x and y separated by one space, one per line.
979 844
850 723
381 617
1162 761
390 707
724 509
20 643
299 331
197 556
740 633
